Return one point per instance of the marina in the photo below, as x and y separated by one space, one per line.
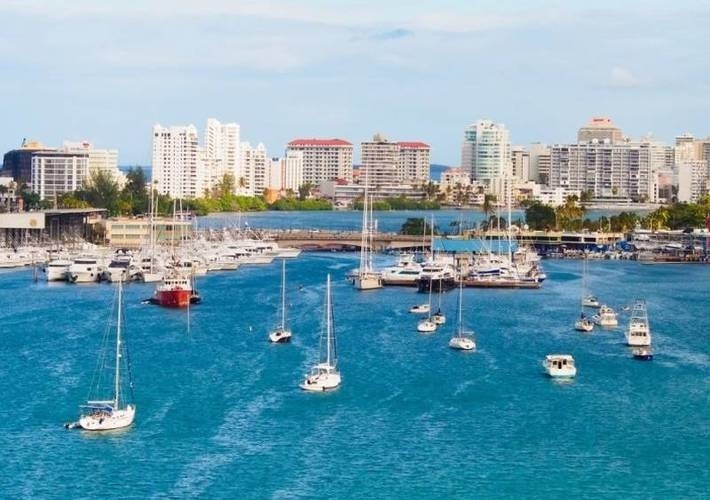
208 379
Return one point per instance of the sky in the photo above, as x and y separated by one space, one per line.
106 71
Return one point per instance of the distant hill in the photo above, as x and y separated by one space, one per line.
436 170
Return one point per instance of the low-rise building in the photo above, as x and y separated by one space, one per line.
134 232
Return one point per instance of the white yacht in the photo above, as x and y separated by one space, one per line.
405 272
56 269
325 376
559 366
462 339
420 309
281 334
638 333
606 317
85 269
120 268
117 412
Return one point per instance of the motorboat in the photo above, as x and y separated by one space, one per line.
638 333
56 269
420 309
325 375
119 269
559 366
84 269
405 272
606 317
591 301
174 290
281 334
642 353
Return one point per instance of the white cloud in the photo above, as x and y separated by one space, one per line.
623 78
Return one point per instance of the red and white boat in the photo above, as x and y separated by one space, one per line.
175 290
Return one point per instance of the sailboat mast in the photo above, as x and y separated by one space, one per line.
364 238
459 320
328 324
283 293
118 343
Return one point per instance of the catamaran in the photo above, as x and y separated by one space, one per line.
324 375
462 339
281 334
102 414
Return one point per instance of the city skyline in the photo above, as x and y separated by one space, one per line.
421 71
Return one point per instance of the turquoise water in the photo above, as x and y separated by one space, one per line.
220 415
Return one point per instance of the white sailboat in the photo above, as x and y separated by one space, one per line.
116 412
583 323
462 339
281 334
427 325
367 278
324 375
439 317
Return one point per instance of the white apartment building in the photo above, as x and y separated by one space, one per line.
385 162
693 180
520 163
59 171
485 152
414 161
611 170
539 163
254 166
221 150
286 173
324 159
177 167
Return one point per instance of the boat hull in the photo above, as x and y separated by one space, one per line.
280 337
462 344
321 383
367 282
105 422
173 298
424 285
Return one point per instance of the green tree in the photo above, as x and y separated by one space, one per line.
304 190
134 196
101 191
489 201
416 226
539 216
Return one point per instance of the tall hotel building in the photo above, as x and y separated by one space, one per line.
324 159
177 168
485 152
389 163
221 150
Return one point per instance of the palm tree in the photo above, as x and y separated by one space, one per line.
489 201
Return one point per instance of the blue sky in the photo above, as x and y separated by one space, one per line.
107 71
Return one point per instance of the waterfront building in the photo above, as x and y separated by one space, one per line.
539 161
485 152
221 150
286 174
520 163
623 171
324 159
600 129
18 162
414 163
66 169
380 161
177 167
254 164
343 194
134 232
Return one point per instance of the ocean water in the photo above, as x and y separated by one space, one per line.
220 415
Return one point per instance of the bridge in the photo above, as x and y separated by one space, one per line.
347 240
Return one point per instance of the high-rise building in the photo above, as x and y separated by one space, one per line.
520 163
414 164
254 170
693 180
600 129
58 171
539 163
18 162
324 159
177 170
380 161
221 150
286 173
616 170
485 152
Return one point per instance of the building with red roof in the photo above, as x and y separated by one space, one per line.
324 159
